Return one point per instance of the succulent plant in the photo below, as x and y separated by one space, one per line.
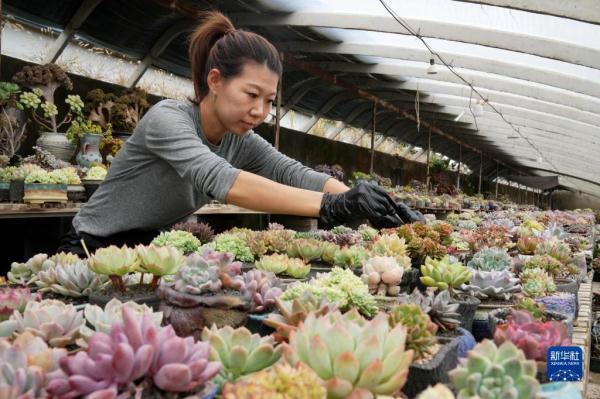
260 290
443 312
223 260
556 248
296 268
529 228
419 247
536 282
420 330
439 391
383 275
527 245
534 338
75 280
101 320
184 241
135 350
292 313
276 263
114 262
233 244
490 259
307 249
278 239
495 372
280 381
239 351
329 251
54 321
536 310
21 273
492 285
339 285
257 243
344 237
351 257
202 231
12 299
394 246
492 236
159 261
444 274
197 276
64 258
545 262
367 232
354 357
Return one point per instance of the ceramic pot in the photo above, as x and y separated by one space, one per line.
57 144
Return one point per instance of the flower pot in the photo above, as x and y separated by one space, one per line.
594 364
467 307
420 376
76 193
571 286
499 316
410 279
189 314
136 293
255 324
4 192
560 302
16 191
91 186
89 151
35 193
559 390
481 326
420 204
57 144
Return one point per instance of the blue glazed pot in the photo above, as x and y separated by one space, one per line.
89 152
255 324
560 390
466 342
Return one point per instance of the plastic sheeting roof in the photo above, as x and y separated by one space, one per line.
536 63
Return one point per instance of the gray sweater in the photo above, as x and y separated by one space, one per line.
167 170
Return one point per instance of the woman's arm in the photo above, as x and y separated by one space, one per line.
335 186
255 192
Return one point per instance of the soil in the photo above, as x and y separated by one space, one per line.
65 299
429 355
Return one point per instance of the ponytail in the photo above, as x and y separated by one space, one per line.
215 43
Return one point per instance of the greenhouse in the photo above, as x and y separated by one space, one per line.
300 199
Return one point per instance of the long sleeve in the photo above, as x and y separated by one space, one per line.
171 136
264 160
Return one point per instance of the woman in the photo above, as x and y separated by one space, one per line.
184 154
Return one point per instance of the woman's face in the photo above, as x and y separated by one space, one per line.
244 101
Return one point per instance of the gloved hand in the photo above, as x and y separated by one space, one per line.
408 215
365 200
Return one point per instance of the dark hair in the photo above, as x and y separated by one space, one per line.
215 43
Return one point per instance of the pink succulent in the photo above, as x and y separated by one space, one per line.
135 351
12 299
533 338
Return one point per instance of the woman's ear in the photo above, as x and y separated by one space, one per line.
214 80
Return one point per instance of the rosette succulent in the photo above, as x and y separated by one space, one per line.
383 275
281 381
354 357
159 261
351 257
201 231
307 249
499 285
12 299
102 320
233 244
197 276
276 263
556 248
96 173
184 241
292 313
54 321
22 273
394 246
296 268
342 236
536 282
114 262
329 251
490 259
527 245
440 307
495 372
439 391
444 274
136 354
420 330
260 290
278 239
545 262
239 351
367 232
75 280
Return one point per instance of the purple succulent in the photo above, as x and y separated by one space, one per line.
12 299
201 231
136 353
224 260
260 290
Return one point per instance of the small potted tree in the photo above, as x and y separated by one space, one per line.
12 125
42 81
128 111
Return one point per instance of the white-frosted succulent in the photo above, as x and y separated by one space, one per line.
25 273
102 319
383 275
54 321
492 285
77 280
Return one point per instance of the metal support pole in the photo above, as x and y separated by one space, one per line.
428 178
373 137
480 170
278 109
497 177
459 165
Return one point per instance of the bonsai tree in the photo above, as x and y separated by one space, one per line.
43 80
129 109
12 132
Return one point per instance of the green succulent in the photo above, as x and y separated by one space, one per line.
96 173
420 330
296 268
537 282
239 351
329 251
184 241
537 310
490 259
232 244
444 273
305 248
276 263
351 257
491 372
394 246
545 262
368 233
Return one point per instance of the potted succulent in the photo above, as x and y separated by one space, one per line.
42 81
42 186
295 268
5 178
184 241
87 135
383 276
93 178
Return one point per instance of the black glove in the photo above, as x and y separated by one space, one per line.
363 201
408 215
